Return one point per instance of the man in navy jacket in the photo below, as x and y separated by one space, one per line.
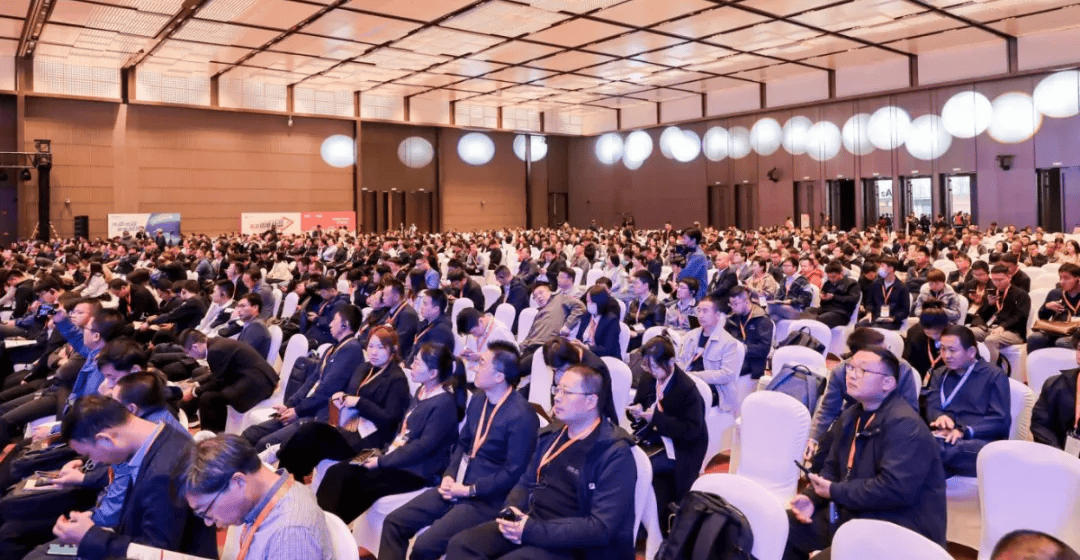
495 445
967 403
435 327
310 401
576 498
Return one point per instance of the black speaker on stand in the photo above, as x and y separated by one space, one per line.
82 227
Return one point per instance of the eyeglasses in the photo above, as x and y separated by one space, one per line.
206 511
556 391
859 371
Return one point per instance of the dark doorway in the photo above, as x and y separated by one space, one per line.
419 211
958 195
369 210
878 201
804 204
1050 195
841 198
744 209
558 212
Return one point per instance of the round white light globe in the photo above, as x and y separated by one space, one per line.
823 141
538 145
888 127
715 144
632 164
639 146
476 148
795 130
687 147
609 148
415 152
966 114
1058 95
766 136
1015 118
927 138
338 151
738 142
856 135
670 135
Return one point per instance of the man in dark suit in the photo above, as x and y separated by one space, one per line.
514 292
724 280
962 275
400 314
135 302
435 327
315 324
494 254
464 287
1017 277
644 311
153 513
839 296
253 280
528 270
248 325
239 377
309 401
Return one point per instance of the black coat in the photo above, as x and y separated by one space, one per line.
682 420
186 316
605 339
649 314
231 361
897 475
721 286
474 292
154 513
1013 316
383 402
1055 411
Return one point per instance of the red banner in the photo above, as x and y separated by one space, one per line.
328 220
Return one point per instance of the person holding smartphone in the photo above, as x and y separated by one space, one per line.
882 463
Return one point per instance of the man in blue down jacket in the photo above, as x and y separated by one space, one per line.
893 474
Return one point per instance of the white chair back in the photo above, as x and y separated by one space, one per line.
1038 298
1021 403
491 295
506 314
592 275
964 304
815 297
622 309
984 352
706 395
642 488
772 437
275 344
1026 485
1051 268
578 275
289 306
817 329
763 510
367 529
798 355
945 265
621 380
278 297
192 275
459 304
860 539
893 341
341 538
525 321
1033 272
1048 281
541 379
624 340
1046 363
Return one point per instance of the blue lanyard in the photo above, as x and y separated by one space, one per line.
946 401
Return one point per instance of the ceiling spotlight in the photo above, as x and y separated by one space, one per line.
25 175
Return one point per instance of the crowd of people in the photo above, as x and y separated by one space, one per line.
134 345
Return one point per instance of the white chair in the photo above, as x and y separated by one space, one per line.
621 380
192 275
525 321
893 341
860 539
578 275
815 296
367 529
665 271
541 379
292 300
624 340
491 295
341 538
1047 281
1033 272
622 309
964 305
592 275
962 493
645 510
945 265
459 304
772 436
1051 268
763 510
506 313
275 344
1046 363
984 352
1038 298
798 355
236 421
278 297
838 343
817 329
1026 485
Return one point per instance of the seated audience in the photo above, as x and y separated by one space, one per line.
1024 544
1054 420
248 326
792 296
239 377
922 348
889 301
480 329
1062 304
935 288
599 328
1002 321
709 351
839 297
750 325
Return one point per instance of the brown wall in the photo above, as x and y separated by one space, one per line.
484 196
207 165
663 189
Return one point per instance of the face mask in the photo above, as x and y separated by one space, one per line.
882 272
591 308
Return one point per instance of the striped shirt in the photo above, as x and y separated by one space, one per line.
294 530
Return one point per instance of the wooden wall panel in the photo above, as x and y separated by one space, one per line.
484 196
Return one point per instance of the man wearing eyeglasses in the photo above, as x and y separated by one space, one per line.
105 432
225 484
882 463
576 499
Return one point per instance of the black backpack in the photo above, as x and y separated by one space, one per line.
802 337
707 527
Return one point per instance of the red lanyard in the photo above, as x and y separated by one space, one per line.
1001 299
888 293
552 453
371 378
248 534
483 430
851 452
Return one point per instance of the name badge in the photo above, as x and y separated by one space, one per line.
884 312
669 447
1072 444
463 466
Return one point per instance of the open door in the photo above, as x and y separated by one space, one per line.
841 200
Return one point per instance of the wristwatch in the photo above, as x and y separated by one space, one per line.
472 490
